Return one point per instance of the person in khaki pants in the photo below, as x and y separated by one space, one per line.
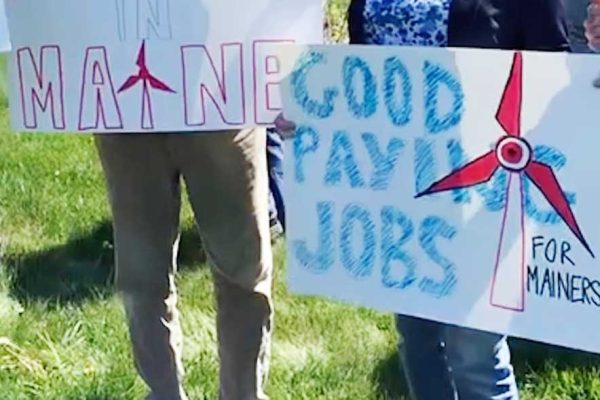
226 177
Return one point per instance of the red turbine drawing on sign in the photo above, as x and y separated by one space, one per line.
148 80
515 155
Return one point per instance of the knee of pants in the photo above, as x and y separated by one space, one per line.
148 295
142 296
244 280
152 282
247 263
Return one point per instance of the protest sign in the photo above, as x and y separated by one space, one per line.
454 185
151 65
4 37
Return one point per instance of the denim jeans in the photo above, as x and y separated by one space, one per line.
444 362
275 165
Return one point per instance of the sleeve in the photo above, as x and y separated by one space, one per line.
356 21
544 25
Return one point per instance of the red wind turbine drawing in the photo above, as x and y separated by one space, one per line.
514 154
148 81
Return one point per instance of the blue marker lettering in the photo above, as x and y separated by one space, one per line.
368 105
431 228
557 160
322 260
383 164
394 70
435 76
493 192
362 266
424 165
391 248
306 141
342 158
314 108
456 157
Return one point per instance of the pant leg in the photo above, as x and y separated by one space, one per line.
424 360
226 176
272 210
480 364
275 167
143 189
273 214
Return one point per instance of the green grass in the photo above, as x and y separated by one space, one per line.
62 333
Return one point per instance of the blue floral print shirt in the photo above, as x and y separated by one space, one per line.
407 22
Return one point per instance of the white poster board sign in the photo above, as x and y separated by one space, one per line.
4 37
455 185
151 65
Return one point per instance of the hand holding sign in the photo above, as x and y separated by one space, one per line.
592 25
285 128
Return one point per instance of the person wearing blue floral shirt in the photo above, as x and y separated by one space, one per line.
407 22
444 362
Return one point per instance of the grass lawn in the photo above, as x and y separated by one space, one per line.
62 333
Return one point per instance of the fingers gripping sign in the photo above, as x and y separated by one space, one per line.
592 25
592 30
284 127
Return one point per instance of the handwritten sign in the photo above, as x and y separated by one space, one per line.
151 65
455 185
4 37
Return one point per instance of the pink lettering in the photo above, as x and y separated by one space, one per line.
267 75
97 76
98 106
201 79
41 87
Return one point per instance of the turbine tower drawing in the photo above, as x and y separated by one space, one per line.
514 154
148 81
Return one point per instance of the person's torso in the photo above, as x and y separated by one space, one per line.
407 22
504 24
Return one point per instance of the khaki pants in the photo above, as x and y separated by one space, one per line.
226 178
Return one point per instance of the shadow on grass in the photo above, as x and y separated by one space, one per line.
527 357
81 269
532 356
391 384
87 397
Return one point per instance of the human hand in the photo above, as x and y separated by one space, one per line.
592 25
285 128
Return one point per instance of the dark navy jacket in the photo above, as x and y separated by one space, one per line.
500 24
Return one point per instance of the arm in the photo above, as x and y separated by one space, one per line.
356 21
545 26
592 25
